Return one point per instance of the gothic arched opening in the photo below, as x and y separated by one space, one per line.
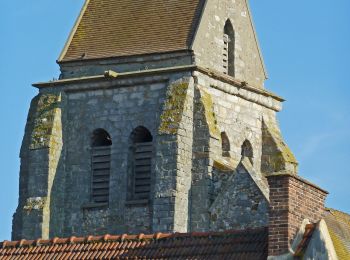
229 49
225 145
141 163
101 165
247 151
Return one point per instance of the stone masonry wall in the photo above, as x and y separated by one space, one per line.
119 110
240 204
186 113
219 107
40 155
125 64
209 42
117 106
174 159
195 184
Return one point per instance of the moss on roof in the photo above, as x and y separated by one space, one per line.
338 224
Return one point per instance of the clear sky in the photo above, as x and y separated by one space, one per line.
306 47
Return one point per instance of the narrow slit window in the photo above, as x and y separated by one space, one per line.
225 54
247 151
142 153
229 50
101 166
225 145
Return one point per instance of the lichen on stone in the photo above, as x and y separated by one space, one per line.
47 108
277 156
173 108
35 203
210 116
223 165
282 146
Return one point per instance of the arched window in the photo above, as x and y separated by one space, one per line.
225 145
101 165
229 49
141 162
247 151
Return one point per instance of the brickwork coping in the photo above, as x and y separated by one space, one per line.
292 199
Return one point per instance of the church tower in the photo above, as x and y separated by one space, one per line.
159 122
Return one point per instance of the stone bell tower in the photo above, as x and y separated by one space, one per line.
159 122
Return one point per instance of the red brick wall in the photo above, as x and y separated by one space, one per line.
292 199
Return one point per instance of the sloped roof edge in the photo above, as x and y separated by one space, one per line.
123 27
72 32
256 40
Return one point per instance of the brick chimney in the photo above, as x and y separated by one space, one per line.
292 199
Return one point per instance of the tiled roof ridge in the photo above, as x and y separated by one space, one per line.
339 215
331 210
123 237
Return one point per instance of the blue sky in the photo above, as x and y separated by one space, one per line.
306 47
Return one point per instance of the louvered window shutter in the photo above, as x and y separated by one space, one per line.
142 169
101 167
225 54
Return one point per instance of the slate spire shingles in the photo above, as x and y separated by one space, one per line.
110 28
246 244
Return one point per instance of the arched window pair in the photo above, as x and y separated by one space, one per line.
229 50
141 149
246 148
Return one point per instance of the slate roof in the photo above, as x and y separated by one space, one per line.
338 224
246 244
108 28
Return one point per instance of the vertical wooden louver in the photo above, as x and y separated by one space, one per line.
225 54
142 169
100 166
141 164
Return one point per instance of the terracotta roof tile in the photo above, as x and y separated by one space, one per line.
247 244
109 28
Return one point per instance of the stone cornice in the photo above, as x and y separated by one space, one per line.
240 85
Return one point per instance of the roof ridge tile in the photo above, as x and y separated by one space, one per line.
126 237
